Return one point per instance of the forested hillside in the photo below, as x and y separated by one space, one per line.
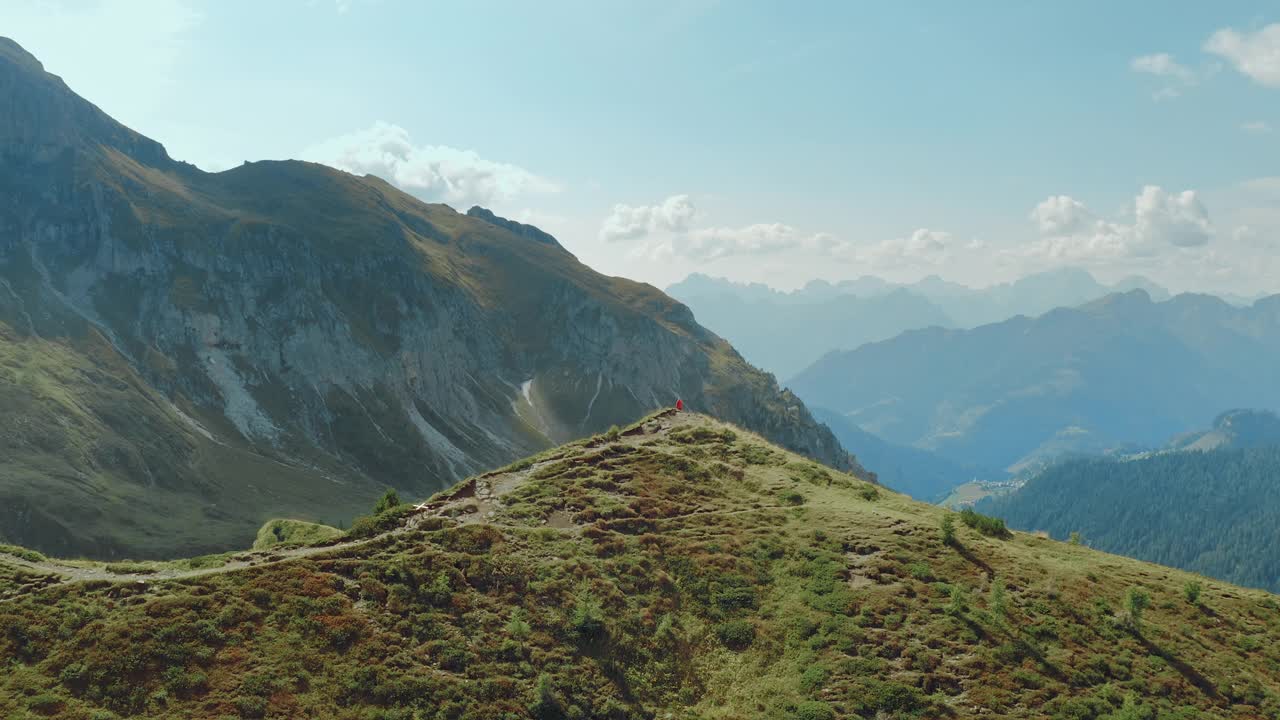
1216 512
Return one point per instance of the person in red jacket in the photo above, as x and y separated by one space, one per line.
679 404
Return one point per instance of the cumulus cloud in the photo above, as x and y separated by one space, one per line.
1160 221
1254 54
923 247
1177 219
669 232
714 243
435 173
1161 64
628 222
1061 215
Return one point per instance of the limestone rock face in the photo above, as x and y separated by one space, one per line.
308 319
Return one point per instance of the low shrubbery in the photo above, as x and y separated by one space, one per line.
985 524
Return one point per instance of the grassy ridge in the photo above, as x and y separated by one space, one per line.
689 572
293 532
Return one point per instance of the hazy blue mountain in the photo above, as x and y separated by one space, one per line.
922 474
785 332
1120 371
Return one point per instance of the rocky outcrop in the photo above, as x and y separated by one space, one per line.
519 228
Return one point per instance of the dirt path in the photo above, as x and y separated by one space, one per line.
483 493
491 487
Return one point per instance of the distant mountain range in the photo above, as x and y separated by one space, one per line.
1207 504
922 474
1115 373
185 354
785 332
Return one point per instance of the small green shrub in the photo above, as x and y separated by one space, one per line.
44 703
948 529
389 500
736 634
790 497
985 524
920 571
587 620
814 677
545 705
958 603
999 601
1136 600
517 627
371 525
814 710
1192 592
758 455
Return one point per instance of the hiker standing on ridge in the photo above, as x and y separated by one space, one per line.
679 404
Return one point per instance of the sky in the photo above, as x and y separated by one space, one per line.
760 141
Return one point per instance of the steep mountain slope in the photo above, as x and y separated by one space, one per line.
680 569
922 474
1119 371
1213 512
197 352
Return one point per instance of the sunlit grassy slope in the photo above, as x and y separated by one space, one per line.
682 568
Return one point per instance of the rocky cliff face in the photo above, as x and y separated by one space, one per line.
316 324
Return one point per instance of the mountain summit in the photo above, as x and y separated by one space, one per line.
680 568
184 353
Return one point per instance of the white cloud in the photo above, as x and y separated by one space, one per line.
435 173
667 233
628 222
1177 219
923 247
708 244
1161 64
1160 222
1061 215
1259 127
1254 54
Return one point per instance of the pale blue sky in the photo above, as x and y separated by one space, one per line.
810 139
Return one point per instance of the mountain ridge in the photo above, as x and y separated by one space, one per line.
301 330
679 566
